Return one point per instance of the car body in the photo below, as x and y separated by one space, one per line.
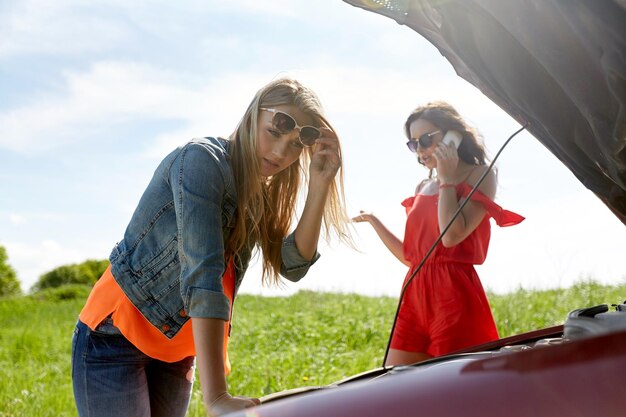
559 68
535 374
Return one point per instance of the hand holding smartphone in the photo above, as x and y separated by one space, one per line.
452 136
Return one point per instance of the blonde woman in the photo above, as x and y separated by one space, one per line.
167 296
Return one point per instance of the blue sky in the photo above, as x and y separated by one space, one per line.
92 95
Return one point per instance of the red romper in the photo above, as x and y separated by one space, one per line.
445 308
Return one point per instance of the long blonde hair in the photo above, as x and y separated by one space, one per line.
266 206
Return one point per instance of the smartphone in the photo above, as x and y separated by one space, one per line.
452 136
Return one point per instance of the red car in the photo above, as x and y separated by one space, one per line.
535 374
559 68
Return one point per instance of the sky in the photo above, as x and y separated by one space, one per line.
94 94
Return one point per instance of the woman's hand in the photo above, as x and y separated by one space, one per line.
208 335
364 217
389 239
226 403
447 158
326 160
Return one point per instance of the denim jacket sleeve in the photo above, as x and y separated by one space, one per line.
294 266
199 186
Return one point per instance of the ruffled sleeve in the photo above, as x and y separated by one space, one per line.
502 217
407 203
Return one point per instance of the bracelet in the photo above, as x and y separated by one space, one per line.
449 185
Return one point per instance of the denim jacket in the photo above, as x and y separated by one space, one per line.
171 260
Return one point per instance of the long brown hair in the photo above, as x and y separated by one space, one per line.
445 117
266 206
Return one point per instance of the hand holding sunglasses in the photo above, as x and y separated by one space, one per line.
326 157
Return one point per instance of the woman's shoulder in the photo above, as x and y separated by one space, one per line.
488 184
427 186
217 148
207 155
214 144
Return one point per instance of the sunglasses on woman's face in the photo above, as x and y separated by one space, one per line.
284 123
425 141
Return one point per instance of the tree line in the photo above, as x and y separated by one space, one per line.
85 273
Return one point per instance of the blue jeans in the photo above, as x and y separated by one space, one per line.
112 378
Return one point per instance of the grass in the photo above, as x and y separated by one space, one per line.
277 343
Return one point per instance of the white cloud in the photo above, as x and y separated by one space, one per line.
17 219
280 8
33 259
63 27
109 93
74 27
115 92
30 216
558 244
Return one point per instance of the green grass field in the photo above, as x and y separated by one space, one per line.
277 343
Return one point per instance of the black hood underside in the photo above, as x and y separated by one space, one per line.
557 66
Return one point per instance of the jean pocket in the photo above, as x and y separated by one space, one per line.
106 327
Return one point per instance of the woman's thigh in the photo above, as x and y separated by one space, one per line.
401 357
108 374
111 377
170 387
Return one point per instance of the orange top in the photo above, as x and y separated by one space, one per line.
108 299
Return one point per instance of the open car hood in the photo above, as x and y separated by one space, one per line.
558 67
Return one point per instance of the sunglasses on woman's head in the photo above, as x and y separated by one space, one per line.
284 123
425 141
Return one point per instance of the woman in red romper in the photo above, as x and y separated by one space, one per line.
444 307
